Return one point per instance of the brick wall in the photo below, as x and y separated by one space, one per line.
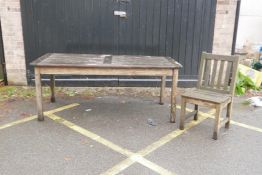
13 41
224 26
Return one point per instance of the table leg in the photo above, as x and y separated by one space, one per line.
38 88
162 91
52 88
173 96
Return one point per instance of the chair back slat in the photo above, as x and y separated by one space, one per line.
214 72
207 73
221 70
201 70
218 73
227 76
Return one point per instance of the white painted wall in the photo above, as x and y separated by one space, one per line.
250 23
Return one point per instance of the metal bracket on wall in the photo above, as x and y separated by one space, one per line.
121 14
123 1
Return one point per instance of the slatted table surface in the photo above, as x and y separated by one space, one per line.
95 64
114 61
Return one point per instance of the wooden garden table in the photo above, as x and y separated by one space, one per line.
94 64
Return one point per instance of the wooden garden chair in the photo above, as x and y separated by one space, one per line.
215 89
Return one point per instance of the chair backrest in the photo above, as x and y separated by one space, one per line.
218 73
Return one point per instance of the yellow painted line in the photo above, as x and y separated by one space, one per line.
61 108
18 122
119 167
140 159
246 126
250 127
90 135
111 145
162 141
35 116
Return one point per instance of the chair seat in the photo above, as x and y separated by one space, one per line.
205 95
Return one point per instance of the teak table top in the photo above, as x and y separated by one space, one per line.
106 61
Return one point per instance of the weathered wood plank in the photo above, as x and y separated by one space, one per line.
206 95
182 113
200 102
38 88
105 71
111 61
228 114
214 73
201 70
173 96
217 122
221 69
207 73
227 76
221 57
234 76
215 90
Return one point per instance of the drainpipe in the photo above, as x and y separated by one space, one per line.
2 56
236 28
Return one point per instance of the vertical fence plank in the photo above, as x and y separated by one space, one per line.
135 27
189 66
170 26
196 40
183 35
177 29
163 27
156 27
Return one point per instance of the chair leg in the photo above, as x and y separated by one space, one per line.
196 115
217 122
229 112
183 113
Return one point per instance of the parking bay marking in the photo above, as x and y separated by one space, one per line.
246 126
162 141
27 119
109 144
76 104
132 157
243 125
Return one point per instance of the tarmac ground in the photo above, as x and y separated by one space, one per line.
125 135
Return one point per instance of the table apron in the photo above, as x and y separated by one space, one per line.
105 71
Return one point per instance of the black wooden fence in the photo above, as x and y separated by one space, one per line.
181 29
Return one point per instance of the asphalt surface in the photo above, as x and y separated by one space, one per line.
133 123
